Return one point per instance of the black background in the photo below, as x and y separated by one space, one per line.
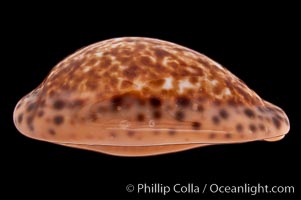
259 45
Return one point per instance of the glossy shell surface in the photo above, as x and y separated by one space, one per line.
135 96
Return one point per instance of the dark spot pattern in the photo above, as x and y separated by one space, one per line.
31 107
179 115
183 101
261 127
200 108
249 113
93 117
239 128
59 104
51 132
171 131
196 125
40 113
20 118
155 102
276 122
157 114
228 135
116 102
212 135
224 114
29 123
253 128
140 117
58 120
215 120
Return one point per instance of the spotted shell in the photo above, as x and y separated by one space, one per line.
135 96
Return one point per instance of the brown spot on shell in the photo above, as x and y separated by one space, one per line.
59 104
51 132
276 122
20 118
239 128
93 117
183 101
171 131
31 107
179 115
155 102
215 120
29 121
116 102
224 114
200 108
140 117
58 120
196 125
261 127
157 114
253 128
249 113
40 113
